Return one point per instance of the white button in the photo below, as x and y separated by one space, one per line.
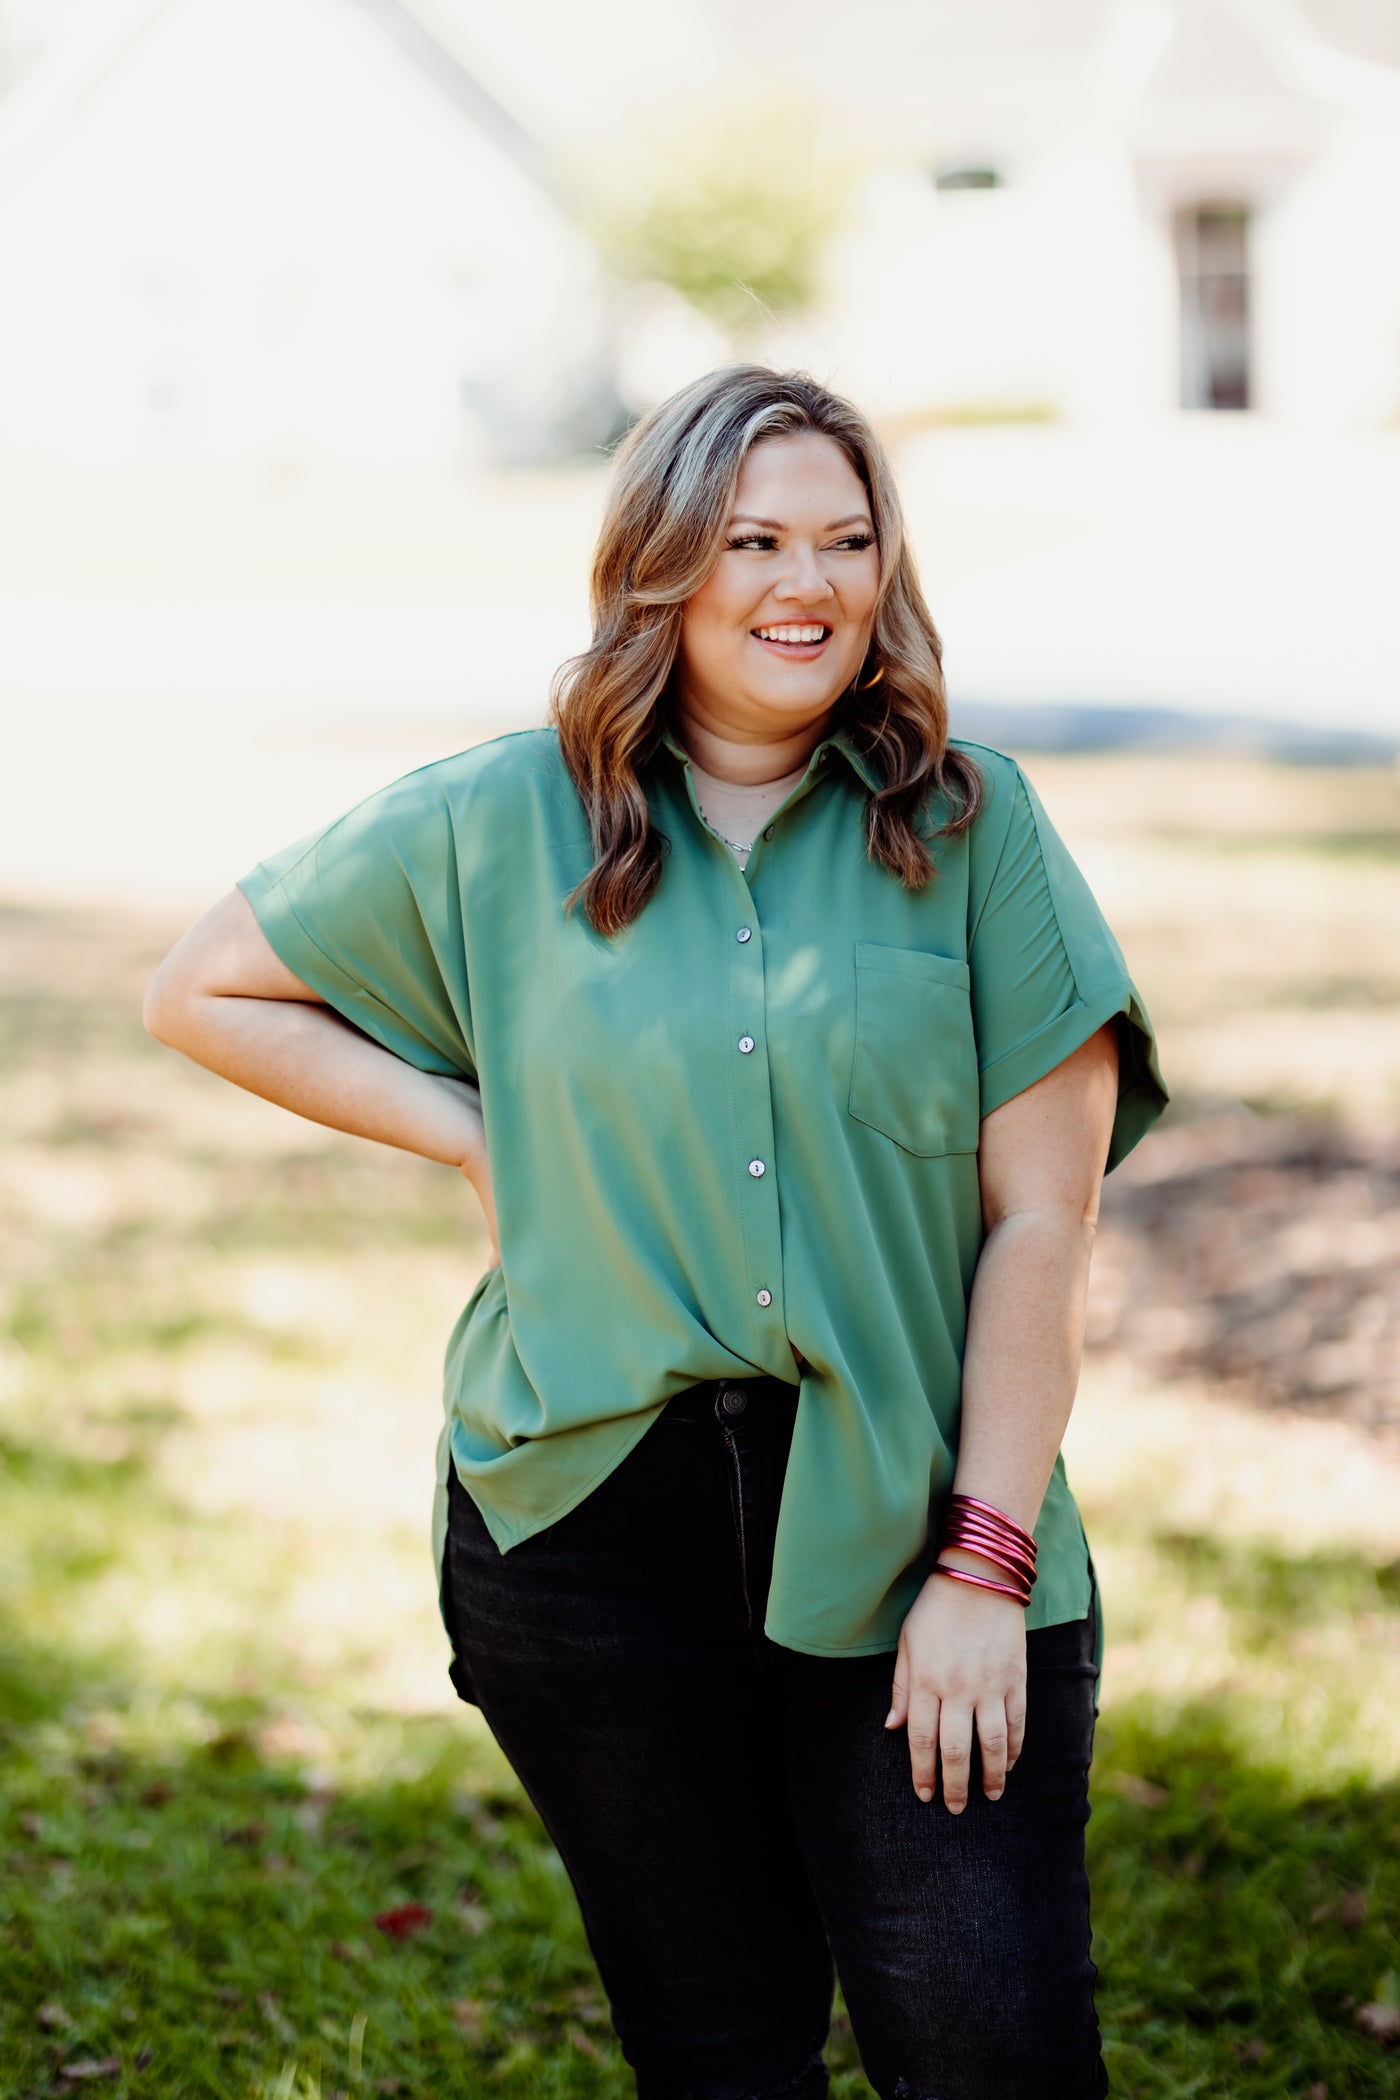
746 1044
756 1167
765 1297
745 933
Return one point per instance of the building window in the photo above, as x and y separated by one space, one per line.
1212 254
965 175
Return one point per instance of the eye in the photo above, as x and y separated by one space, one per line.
856 542
764 541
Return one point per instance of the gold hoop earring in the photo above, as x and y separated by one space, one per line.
870 681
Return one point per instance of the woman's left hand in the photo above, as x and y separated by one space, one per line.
961 1664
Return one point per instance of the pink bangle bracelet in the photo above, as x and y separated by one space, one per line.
1016 1576
974 1526
966 1529
982 1582
970 1509
968 1520
990 1547
989 1509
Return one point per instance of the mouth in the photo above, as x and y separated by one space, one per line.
800 640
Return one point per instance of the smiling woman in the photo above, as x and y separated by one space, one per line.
740 513
786 1049
786 594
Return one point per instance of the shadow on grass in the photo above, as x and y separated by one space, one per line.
206 1916
1240 1920
203 1914
185 1900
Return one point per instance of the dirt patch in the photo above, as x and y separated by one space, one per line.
1262 1256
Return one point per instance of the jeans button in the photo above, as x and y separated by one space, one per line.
733 1400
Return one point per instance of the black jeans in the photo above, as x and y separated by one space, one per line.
733 1815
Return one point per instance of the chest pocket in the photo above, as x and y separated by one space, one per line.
914 1065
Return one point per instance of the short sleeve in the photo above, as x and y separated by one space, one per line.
368 913
1047 973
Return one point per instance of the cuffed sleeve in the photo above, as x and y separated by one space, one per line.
368 914
1047 973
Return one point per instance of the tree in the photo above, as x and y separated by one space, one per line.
733 209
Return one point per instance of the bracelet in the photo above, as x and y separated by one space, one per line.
973 1512
969 1514
982 1582
980 1527
989 1509
970 1525
1009 1561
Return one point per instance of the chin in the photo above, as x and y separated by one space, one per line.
796 695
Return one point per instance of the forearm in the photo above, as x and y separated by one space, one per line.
1021 1364
305 1058
962 1648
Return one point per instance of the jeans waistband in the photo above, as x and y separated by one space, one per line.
731 1400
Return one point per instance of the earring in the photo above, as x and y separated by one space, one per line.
870 681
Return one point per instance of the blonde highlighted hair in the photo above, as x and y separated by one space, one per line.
662 534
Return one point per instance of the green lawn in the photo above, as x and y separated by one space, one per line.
227 1744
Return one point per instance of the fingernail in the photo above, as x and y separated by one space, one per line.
994 1793
889 1718
955 1808
925 1793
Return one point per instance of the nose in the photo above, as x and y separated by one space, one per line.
803 579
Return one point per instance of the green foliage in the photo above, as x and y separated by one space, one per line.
733 210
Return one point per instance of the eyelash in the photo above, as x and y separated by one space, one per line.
853 543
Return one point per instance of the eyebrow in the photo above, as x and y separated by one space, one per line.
743 517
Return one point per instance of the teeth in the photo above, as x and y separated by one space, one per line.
791 634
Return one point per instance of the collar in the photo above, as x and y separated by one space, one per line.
840 740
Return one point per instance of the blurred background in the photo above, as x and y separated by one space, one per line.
318 320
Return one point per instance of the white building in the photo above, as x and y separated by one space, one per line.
1111 209
267 232
334 234
313 231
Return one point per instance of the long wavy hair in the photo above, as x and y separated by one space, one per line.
662 534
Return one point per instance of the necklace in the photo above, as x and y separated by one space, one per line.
764 793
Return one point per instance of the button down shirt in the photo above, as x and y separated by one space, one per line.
738 1137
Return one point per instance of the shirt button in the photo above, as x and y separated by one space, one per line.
746 1044
756 1167
765 1297
745 933
769 832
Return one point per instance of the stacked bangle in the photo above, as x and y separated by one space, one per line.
979 1527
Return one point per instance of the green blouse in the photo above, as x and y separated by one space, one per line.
740 1134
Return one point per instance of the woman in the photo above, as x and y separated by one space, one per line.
785 1048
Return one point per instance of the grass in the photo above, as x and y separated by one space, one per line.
227 1742
193 1871
204 1914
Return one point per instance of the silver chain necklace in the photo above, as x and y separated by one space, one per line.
739 845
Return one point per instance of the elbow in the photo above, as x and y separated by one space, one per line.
163 1007
153 1012
1071 1222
